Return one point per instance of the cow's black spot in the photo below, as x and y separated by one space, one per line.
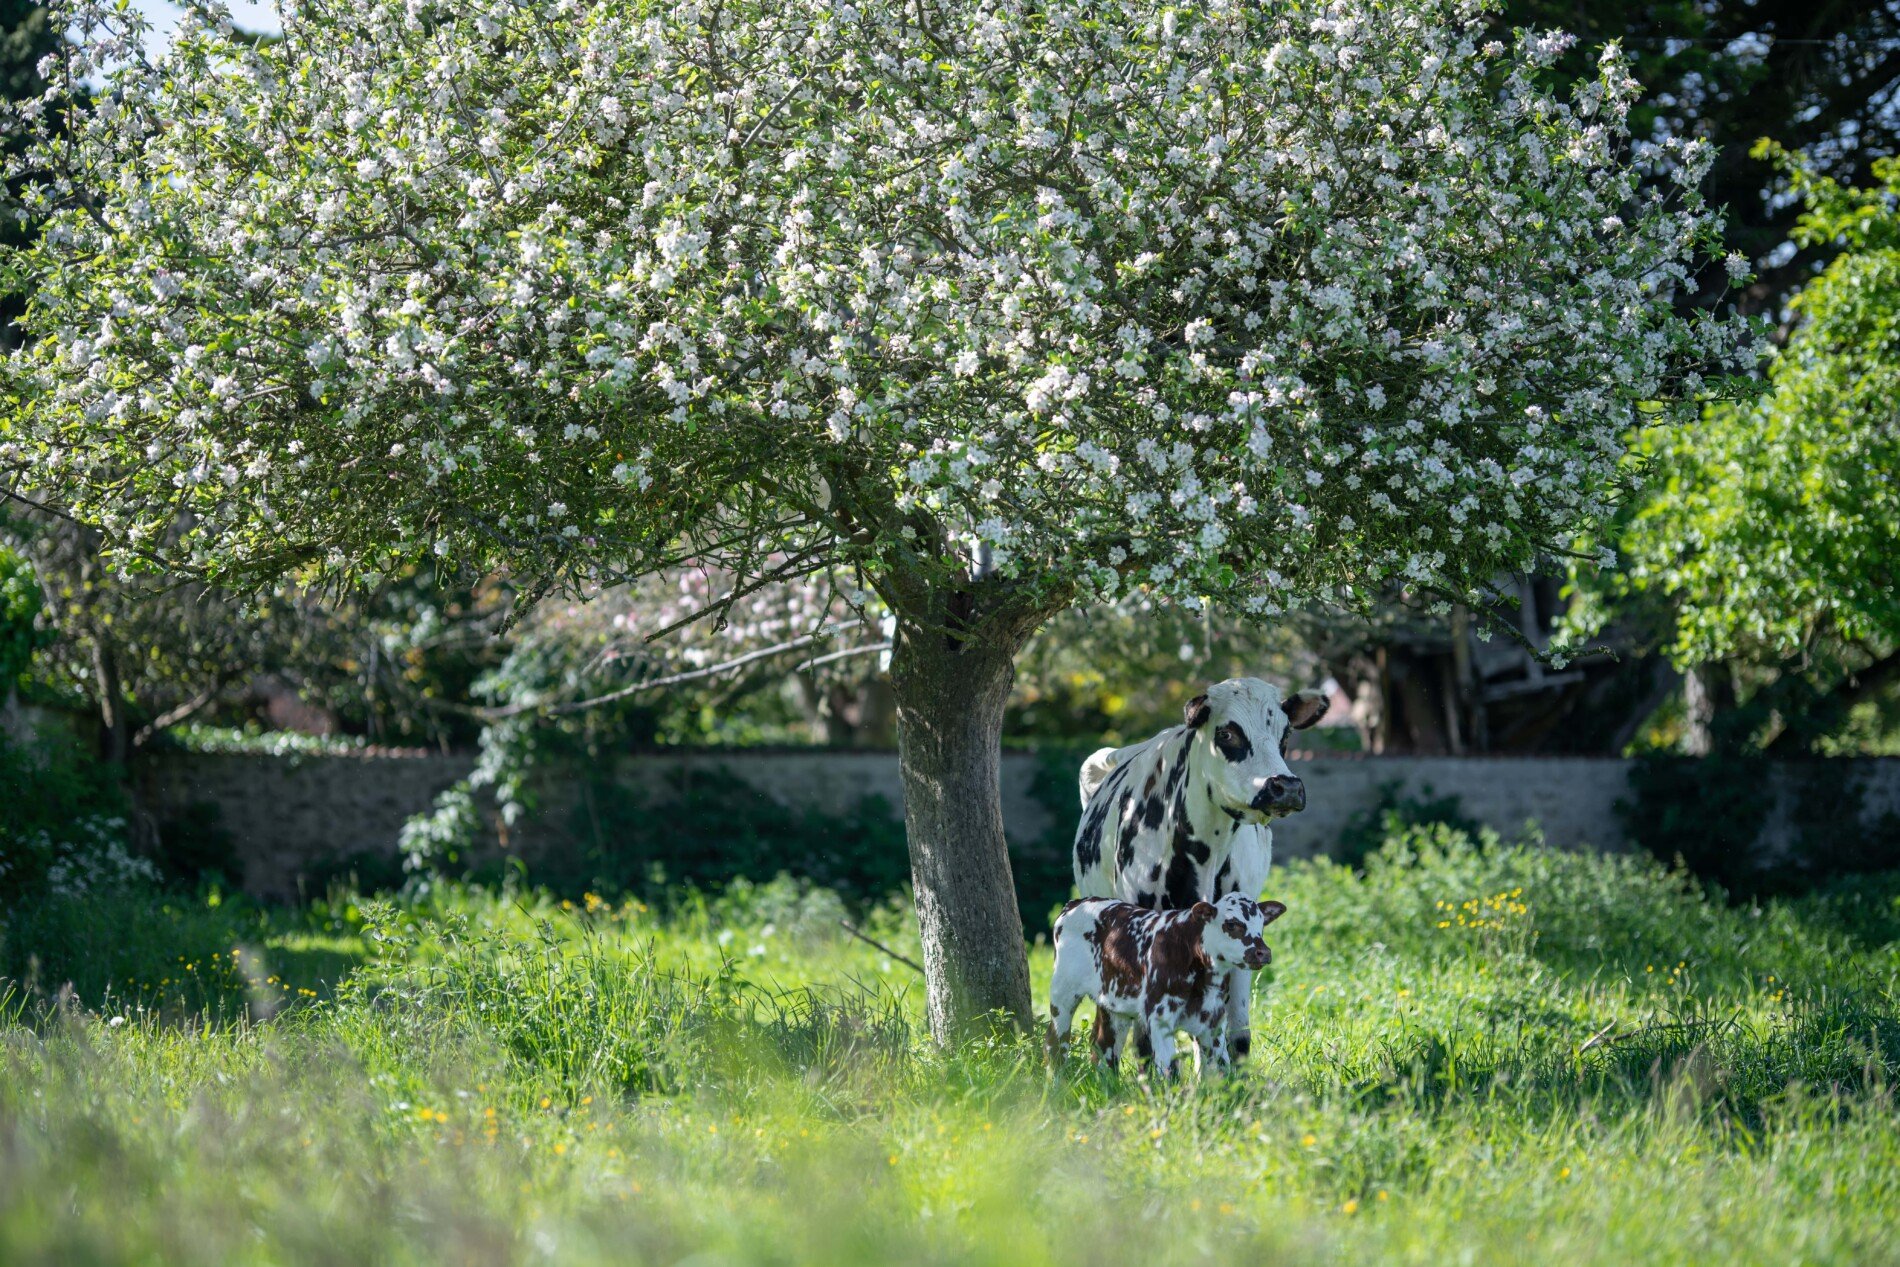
1088 841
1233 742
1146 900
1224 879
1125 853
1152 811
1154 872
1180 890
1177 768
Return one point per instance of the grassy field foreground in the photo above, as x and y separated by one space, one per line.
1464 1055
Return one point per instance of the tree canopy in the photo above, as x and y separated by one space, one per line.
1774 522
1233 303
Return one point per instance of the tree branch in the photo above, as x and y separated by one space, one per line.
713 670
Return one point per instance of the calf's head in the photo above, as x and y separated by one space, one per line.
1239 750
1234 935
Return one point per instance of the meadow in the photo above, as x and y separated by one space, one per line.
1467 1051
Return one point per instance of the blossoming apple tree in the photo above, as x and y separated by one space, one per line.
994 306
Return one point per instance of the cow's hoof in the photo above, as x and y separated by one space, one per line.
1241 1045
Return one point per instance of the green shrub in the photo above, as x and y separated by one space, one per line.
20 633
704 831
63 822
1710 813
1393 814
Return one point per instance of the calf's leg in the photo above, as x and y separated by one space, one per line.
1108 1047
1161 1042
1061 1016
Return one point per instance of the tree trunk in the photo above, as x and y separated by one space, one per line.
115 728
1708 690
950 697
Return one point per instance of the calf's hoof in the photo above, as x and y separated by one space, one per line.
1239 1046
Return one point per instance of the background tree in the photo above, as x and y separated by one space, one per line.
1768 529
1819 76
143 652
998 307
26 36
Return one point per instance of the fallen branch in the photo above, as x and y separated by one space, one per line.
872 941
1598 1037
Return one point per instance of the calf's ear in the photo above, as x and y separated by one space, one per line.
1203 913
1197 712
1270 911
1303 708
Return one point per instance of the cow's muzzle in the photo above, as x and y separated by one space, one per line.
1281 794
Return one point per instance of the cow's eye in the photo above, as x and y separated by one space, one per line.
1232 742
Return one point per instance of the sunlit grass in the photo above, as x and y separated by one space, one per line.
1599 1065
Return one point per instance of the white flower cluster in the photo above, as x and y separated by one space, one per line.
91 857
1257 301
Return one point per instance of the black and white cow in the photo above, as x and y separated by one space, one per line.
1184 817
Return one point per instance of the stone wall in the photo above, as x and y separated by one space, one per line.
288 816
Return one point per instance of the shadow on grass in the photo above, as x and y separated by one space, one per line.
182 957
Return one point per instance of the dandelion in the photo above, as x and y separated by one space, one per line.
1351 1206
1308 1140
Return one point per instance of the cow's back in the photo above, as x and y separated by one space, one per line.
1133 829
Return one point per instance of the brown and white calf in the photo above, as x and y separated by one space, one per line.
1187 816
1158 972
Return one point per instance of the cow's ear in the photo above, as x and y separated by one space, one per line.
1306 707
1197 712
1270 911
1202 913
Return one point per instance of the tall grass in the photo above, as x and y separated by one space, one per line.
1464 1053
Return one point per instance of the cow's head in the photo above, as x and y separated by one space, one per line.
1235 932
1240 731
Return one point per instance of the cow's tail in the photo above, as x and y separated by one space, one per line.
1098 767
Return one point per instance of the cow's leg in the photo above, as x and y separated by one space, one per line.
1237 1041
1246 873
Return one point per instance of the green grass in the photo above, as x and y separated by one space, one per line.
476 1078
